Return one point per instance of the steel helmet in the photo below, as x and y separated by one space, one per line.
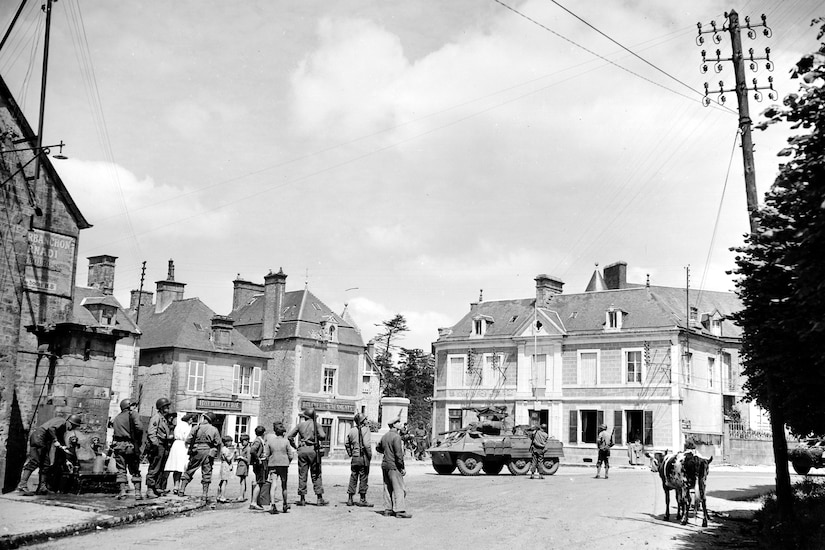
162 402
309 412
211 417
125 404
358 418
74 419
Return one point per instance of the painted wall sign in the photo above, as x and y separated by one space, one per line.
218 405
50 263
329 405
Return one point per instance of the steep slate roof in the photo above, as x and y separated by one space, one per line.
652 307
84 296
46 164
301 317
187 324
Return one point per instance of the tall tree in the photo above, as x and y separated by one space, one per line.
393 329
414 378
782 276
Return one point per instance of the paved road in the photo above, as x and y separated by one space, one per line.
567 510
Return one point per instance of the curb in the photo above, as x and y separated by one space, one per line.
102 522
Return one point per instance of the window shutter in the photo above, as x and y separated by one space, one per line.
574 429
599 418
648 428
256 381
236 379
229 425
617 427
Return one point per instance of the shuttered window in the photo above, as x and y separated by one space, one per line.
618 429
648 428
573 433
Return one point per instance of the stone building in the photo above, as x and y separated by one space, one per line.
197 359
656 364
56 353
316 357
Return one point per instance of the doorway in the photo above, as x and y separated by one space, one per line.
538 417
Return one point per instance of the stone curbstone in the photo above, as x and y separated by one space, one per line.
103 521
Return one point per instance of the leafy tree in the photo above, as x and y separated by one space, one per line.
413 378
782 276
393 329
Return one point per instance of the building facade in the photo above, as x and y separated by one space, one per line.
657 365
316 357
197 359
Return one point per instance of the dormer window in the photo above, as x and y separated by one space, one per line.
716 327
329 329
480 323
613 319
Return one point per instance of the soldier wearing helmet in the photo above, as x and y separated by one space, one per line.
127 437
538 441
604 441
359 447
160 438
51 433
310 435
205 444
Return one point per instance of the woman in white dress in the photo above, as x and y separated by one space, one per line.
179 454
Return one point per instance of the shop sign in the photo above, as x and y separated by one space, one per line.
50 263
335 405
218 405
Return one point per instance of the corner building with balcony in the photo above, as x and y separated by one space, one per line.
658 365
317 358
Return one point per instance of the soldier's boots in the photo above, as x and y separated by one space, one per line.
403 515
182 488
138 493
363 503
321 501
205 491
302 501
349 500
23 486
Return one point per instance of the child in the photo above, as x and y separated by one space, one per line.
242 463
228 454
280 453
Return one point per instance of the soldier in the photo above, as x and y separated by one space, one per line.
204 443
538 440
50 434
420 435
359 447
160 439
309 455
127 436
392 467
603 442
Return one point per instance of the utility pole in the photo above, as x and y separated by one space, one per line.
741 89
140 292
47 7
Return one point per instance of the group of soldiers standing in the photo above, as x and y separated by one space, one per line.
273 455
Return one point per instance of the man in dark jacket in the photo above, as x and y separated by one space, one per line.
392 468
160 438
310 436
51 433
538 441
359 447
127 436
205 444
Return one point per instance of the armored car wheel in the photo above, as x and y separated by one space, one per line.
444 469
469 465
519 466
492 467
549 466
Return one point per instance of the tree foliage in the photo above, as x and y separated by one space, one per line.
413 378
393 329
782 266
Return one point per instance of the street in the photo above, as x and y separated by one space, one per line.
568 510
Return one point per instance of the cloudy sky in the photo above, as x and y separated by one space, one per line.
400 155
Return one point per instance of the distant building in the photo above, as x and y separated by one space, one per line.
56 352
316 357
653 363
197 359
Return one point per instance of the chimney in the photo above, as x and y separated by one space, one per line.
169 290
222 331
102 273
142 298
615 276
244 291
274 290
547 286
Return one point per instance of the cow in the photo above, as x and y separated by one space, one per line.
680 472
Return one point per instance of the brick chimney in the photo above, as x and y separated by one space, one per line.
222 331
102 273
142 298
168 291
244 291
547 286
615 276
274 290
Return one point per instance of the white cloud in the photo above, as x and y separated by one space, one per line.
423 325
